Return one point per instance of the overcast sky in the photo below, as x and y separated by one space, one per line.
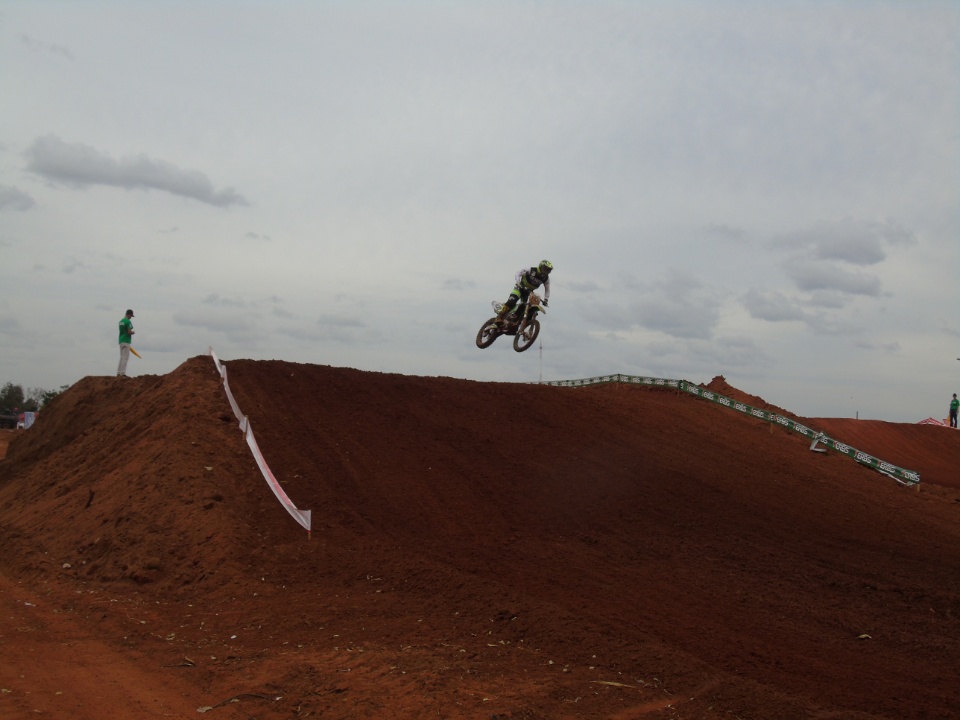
767 191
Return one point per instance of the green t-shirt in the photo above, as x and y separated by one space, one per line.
125 327
954 404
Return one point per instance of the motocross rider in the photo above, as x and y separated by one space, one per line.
526 281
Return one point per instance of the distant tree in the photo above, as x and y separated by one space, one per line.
11 397
48 395
33 399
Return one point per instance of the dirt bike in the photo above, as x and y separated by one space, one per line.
521 322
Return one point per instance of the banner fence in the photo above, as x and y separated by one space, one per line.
301 516
901 475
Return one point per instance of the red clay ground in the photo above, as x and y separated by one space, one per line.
479 550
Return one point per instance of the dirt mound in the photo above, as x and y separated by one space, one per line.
478 550
720 385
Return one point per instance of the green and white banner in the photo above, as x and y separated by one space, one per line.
906 477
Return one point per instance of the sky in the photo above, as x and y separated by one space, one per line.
768 191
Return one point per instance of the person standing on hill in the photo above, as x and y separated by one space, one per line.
954 406
126 337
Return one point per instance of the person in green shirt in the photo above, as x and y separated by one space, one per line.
126 337
954 405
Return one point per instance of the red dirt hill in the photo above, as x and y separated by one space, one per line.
479 550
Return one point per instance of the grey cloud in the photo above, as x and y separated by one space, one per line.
38 45
332 329
830 299
726 231
339 321
222 323
889 348
587 286
771 305
10 326
812 276
215 299
680 306
344 334
630 281
81 165
679 319
774 306
851 241
948 329
275 304
237 327
457 284
862 250
822 323
728 352
14 198
613 317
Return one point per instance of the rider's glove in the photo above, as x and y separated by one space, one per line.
546 303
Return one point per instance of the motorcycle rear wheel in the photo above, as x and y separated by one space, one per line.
525 339
488 333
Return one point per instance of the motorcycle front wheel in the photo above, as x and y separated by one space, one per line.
526 337
488 333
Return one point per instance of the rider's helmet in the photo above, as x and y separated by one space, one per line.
545 267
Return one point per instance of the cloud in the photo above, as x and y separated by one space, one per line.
889 348
458 284
81 165
774 306
811 275
72 265
678 305
238 327
830 299
215 299
38 45
328 321
948 328
10 326
771 305
14 199
821 323
727 352
332 328
826 263
608 316
856 242
727 232
586 286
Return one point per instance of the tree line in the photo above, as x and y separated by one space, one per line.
14 399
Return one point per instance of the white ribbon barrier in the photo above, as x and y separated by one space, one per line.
901 475
301 516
